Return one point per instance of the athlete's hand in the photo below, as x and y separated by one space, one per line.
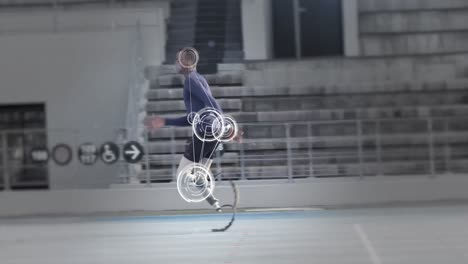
238 138
155 122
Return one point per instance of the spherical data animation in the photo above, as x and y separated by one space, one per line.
230 129
190 117
208 125
188 58
195 183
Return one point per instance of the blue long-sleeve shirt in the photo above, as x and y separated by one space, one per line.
197 95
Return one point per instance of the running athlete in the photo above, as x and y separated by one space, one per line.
197 96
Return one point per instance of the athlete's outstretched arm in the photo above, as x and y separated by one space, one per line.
180 121
157 122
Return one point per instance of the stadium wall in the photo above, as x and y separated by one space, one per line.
79 66
317 194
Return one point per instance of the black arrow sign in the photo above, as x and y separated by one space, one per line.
133 152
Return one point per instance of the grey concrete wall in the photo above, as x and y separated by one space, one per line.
424 21
414 44
352 191
256 28
82 79
350 15
94 19
389 5
82 75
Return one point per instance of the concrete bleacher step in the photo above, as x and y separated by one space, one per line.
231 78
257 94
316 129
414 43
457 166
170 159
364 169
265 172
251 104
300 157
406 22
338 115
167 147
231 67
232 112
409 5
350 141
351 154
336 155
177 93
313 87
358 75
168 67
381 86
410 139
170 132
374 169
352 127
233 59
324 170
178 106
273 124
341 154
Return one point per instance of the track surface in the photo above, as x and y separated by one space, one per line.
430 234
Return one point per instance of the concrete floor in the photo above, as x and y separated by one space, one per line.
429 234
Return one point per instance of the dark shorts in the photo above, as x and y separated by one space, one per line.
197 149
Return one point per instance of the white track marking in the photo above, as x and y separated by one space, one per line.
367 244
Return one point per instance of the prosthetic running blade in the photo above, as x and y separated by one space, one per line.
235 189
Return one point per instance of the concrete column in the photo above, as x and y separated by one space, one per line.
351 28
257 29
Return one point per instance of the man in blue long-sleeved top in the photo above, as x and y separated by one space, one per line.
197 96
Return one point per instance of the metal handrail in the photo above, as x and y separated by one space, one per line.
376 154
353 121
298 157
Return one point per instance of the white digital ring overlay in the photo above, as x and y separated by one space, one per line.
191 117
195 183
183 52
230 129
208 125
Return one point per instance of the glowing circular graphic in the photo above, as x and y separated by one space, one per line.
191 117
195 183
230 129
188 58
208 125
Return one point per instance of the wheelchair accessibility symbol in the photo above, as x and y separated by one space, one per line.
109 153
